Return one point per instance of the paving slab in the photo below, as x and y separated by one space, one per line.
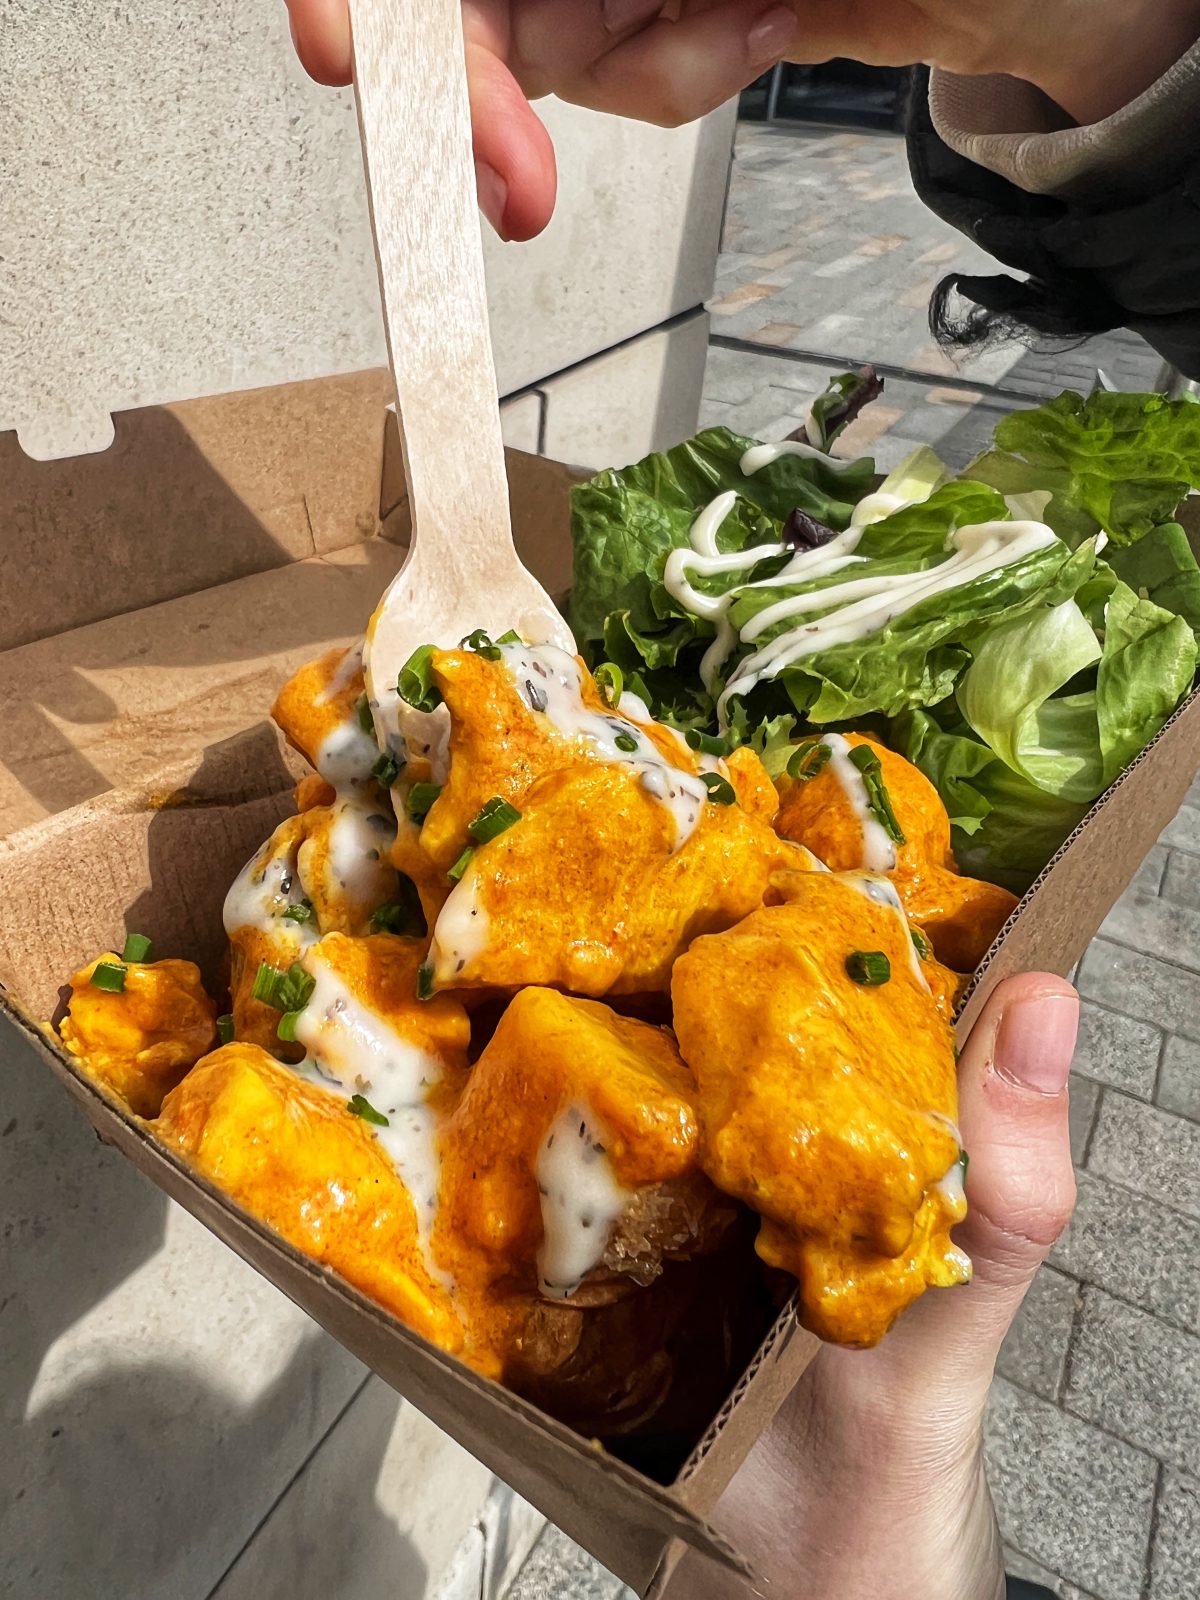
1085 1101
1181 880
1157 926
1135 1248
1175 1562
1070 1495
1150 1151
1117 1050
1034 1352
1141 986
1179 1081
1138 1377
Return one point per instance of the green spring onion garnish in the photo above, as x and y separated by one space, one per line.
867 762
364 1109
415 684
494 818
869 967
110 977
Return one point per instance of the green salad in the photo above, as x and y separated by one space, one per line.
1020 631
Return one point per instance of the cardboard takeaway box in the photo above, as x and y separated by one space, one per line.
169 587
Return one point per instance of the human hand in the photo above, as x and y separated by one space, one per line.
870 1481
669 63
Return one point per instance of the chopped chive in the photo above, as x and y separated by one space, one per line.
869 967
921 944
720 790
610 681
386 770
362 710
109 977
415 684
302 911
493 819
809 759
225 1031
287 1026
868 764
137 948
425 981
627 742
402 916
481 644
461 865
707 743
296 989
364 1109
420 800
964 1161
510 637
268 981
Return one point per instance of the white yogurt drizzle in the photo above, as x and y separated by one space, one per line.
356 867
581 1199
878 850
460 935
352 1050
263 890
882 891
762 455
346 754
551 682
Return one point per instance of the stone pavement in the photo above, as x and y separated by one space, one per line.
1093 1435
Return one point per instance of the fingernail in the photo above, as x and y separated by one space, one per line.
618 15
1036 1041
771 35
493 195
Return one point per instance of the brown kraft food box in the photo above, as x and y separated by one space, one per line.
180 577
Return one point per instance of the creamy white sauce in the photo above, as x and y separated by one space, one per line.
883 892
347 670
952 1187
346 754
460 935
352 1050
260 894
762 455
857 609
878 849
875 507
356 867
581 1199
551 683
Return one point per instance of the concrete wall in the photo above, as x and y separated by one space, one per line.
182 213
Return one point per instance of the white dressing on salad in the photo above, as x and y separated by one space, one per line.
346 754
551 682
763 455
352 1050
861 607
356 864
580 1198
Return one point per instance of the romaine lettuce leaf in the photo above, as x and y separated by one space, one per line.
624 523
1161 567
1121 462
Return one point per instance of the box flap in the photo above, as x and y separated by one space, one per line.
188 496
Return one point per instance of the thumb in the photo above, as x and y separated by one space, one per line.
1013 1106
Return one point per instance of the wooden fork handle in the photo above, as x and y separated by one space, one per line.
415 122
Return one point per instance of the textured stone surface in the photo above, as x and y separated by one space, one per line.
1157 926
1179 1082
1181 880
559 1568
1117 1050
1069 1495
1175 1562
1138 1377
1135 1248
1183 833
1034 1352
1141 986
1152 1151
1085 1097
